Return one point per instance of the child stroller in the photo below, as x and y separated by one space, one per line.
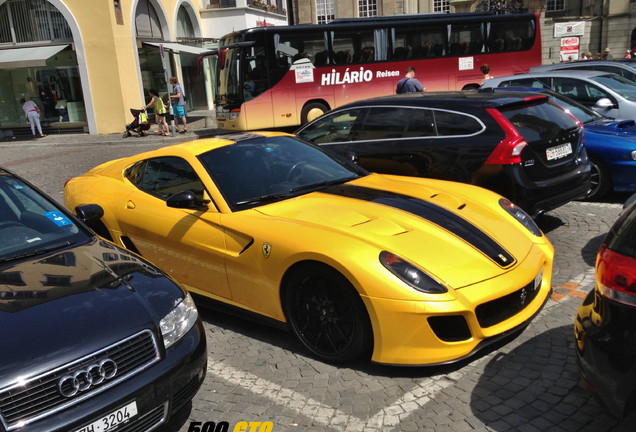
139 124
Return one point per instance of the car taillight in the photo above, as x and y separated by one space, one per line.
617 276
508 151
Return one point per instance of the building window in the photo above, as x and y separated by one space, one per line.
147 22
32 21
555 5
442 6
325 11
367 8
185 29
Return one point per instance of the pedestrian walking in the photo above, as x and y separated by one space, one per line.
178 104
409 84
160 112
32 113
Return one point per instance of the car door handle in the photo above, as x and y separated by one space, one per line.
130 205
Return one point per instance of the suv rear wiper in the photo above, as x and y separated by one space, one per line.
36 252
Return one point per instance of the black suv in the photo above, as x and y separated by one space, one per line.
521 146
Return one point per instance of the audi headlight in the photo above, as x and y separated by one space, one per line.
521 216
410 274
179 321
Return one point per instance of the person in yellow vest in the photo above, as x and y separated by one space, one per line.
160 112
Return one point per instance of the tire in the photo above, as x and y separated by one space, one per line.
312 111
600 180
327 315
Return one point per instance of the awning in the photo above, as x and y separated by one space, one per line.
28 57
177 47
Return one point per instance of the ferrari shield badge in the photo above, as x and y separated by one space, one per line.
267 249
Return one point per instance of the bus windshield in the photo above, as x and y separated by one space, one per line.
229 83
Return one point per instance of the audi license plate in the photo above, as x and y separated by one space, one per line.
113 420
559 151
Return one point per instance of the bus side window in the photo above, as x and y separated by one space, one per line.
510 35
465 39
291 48
418 42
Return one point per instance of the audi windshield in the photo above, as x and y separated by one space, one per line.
30 224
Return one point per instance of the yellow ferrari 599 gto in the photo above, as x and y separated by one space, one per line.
402 270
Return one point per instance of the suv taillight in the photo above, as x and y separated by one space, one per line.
508 151
617 276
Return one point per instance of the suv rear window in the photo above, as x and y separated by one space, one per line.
539 122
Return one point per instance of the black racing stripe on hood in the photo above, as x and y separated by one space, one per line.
431 212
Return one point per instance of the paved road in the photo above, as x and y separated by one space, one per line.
261 374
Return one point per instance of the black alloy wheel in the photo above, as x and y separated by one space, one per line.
599 180
327 315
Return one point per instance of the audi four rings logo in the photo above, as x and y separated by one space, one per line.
84 379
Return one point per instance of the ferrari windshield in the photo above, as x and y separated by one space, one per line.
30 224
261 170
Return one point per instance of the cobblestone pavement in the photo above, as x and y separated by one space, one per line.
261 374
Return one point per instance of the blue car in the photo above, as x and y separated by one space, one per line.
610 144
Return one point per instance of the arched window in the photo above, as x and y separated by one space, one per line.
32 21
147 22
185 29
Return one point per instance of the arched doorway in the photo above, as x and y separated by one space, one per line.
150 28
191 71
180 56
38 62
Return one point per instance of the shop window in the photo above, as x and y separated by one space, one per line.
32 21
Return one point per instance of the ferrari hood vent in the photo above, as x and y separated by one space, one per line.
431 212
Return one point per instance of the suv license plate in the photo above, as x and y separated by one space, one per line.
112 420
558 152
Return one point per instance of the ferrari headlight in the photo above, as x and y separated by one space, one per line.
179 321
410 274
523 217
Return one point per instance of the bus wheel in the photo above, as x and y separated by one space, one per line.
312 111
471 87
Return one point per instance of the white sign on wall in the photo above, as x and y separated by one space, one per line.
569 48
574 28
